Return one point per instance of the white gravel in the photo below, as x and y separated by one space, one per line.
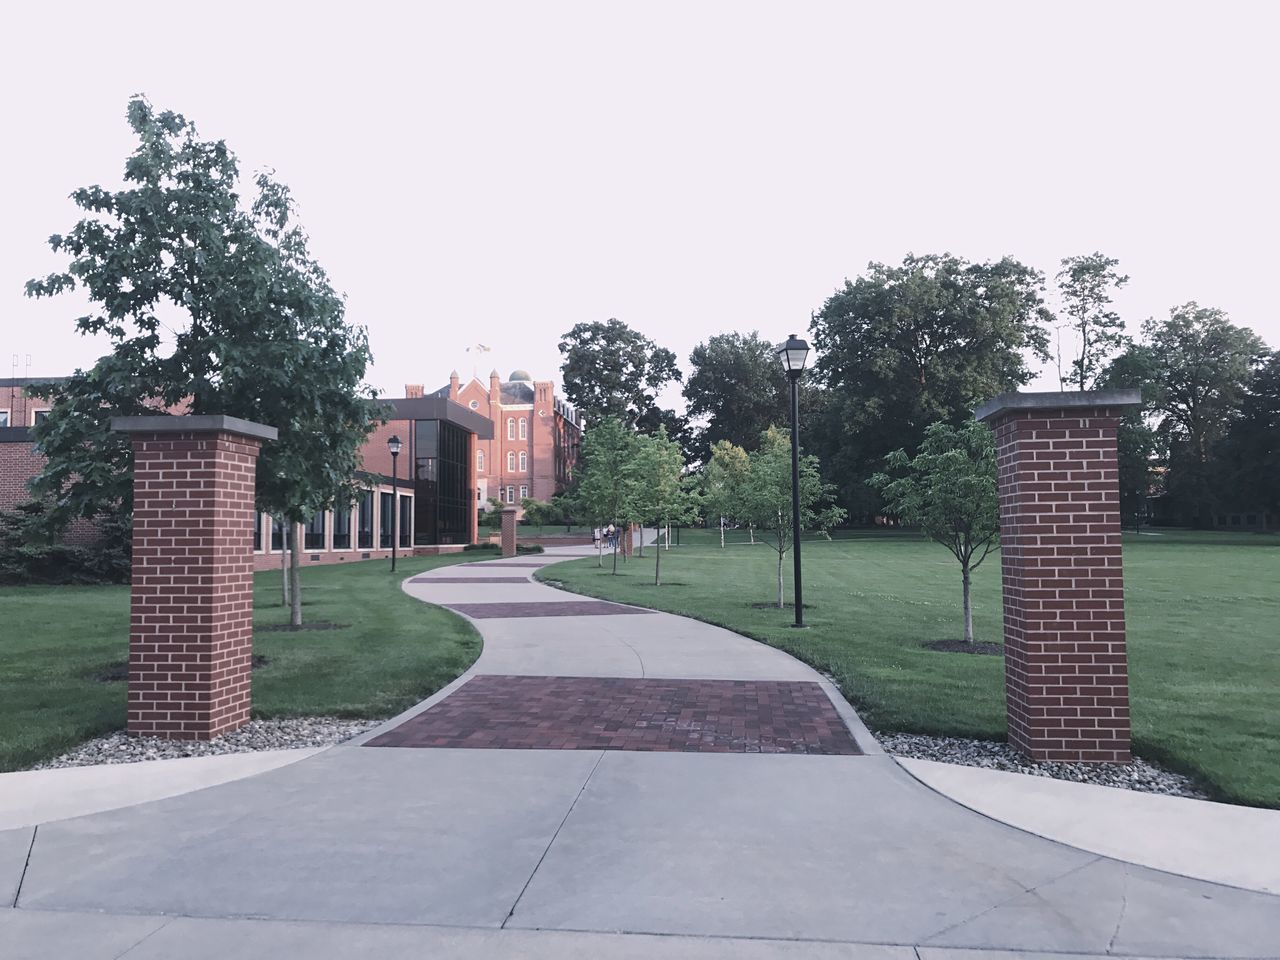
1140 775
255 735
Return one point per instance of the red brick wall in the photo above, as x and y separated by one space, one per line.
191 614
1066 669
19 462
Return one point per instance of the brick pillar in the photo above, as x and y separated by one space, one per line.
509 515
191 607
1066 667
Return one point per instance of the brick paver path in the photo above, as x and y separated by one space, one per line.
549 608
592 713
469 580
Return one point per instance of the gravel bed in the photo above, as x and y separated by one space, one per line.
283 734
1139 775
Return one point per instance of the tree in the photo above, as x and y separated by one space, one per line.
606 475
610 370
210 308
661 495
903 347
1253 444
722 478
766 496
537 513
1137 445
1200 366
737 387
948 489
1085 284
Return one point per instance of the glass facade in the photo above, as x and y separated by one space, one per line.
406 521
342 529
364 531
386 520
313 538
442 483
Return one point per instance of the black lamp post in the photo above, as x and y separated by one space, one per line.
393 445
793 354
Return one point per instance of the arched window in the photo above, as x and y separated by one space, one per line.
524 461
511 461
511 428
524 428
479 461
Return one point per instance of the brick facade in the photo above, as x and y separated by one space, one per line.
1066 666
191 608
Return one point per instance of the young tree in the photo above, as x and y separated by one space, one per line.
948 489
722 483
212 308
766 496
537 513
661 494
606 475
737 387
610 370
1085 284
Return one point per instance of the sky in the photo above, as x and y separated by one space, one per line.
493 173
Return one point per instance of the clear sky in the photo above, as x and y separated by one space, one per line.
495 173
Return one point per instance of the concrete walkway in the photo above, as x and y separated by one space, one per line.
400 852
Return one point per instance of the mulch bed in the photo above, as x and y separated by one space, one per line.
959 646
613 713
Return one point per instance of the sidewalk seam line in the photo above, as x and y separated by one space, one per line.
551 842
143 939
25 865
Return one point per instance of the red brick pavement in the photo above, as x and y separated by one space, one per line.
470 580
593 713
550 608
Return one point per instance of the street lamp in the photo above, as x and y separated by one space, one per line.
393 445
793 354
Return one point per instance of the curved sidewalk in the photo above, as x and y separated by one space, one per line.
407 851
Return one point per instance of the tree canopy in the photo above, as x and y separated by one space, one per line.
610 370
1085 284
737 389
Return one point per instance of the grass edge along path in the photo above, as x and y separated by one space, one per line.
1199 609
389 652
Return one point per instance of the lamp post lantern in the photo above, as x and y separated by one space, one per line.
793 354
393 445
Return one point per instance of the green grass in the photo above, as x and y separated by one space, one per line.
1203 611
391 652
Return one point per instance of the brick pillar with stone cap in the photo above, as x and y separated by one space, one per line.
1066 666
191 606
509 515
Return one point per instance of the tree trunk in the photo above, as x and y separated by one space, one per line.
295 581
751 531
722 531
615 551
639 552
600 549
657 566
968 605
781 598
284 565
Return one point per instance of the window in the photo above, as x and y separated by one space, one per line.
386 519
511 494
524 462
4 418
364 521
524 428
313 537
511 461
39 416
406 521
479 461
342 528
277 536
524 492
474 404
511 428
257 532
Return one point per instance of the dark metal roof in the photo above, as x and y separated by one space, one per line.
441 408
15 435
516 391
28 381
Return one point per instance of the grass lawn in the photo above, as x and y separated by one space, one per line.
390 652
1202 612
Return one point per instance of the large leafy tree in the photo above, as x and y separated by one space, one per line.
1200 367
1085 284
737 389
1137 443
948 489
905 346
1253 444
610 370
211 306
765 497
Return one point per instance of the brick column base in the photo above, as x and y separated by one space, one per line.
191 606
1066 667
508 531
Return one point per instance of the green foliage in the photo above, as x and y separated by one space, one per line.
1085 284
612 372
32 551
903 347
738 387
484 547
723 479
1253 444
661 494
948 489
606 490
537 513
528 548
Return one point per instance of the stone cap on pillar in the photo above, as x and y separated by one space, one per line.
200 423
509 509
1015 402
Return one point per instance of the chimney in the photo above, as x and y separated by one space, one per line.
495 388
453 385
413 391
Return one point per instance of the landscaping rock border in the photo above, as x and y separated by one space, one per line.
1141 775
284 734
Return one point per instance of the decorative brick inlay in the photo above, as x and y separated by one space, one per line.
494 565
551 608
1066 668
509 516
191 612
470 580
592 713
